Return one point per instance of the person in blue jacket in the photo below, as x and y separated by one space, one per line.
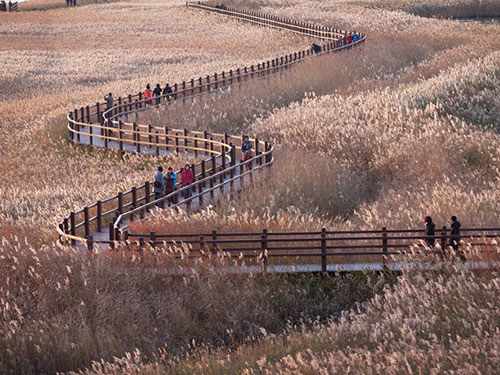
170 178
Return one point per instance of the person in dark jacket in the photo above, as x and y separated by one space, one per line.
455 236
170 178
167 92
430 231
157 93
159 184
109 101
454 233
246 152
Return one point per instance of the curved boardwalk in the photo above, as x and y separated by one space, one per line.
105 223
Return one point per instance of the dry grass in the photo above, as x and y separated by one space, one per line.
428 323
405 126
51 64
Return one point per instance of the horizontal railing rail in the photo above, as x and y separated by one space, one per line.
377 245
105 126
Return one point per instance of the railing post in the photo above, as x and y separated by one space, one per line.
72 225
120 135
90 243
136 138
385 249
111 229
150 140
203 172
186 133
205 137
70 125
147 190
77 127
263 246
99 216
223 174
120 202
323 250
166 139
152 237
157 141
116 230
214 241
195 146
65 226
86 225
443 239
134 198
203 244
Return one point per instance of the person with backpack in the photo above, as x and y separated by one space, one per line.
355 37
246 151
167 92
455 236
187 178
148 94
158 182
170 178
109 101
430 231
157 93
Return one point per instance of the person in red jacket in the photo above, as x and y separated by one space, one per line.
187 178
148 94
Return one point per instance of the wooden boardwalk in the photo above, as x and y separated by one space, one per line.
220 173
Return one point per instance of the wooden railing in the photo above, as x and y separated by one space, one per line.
107 127
321 247
8 7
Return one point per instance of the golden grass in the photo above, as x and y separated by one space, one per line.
396 132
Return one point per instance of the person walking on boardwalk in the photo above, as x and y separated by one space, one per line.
159 186
455 236
109 101
157 93
170 178
187 178
246 151
148 94
430 231
167 92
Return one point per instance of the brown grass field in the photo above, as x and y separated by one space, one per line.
403 127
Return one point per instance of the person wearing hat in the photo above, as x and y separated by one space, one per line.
430 231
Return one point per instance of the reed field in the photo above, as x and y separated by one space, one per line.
405 126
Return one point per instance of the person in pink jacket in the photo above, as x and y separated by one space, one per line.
187 178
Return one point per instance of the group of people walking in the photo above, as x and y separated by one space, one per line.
454 237
165 184
156 93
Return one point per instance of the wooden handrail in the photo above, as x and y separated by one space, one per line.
95 122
